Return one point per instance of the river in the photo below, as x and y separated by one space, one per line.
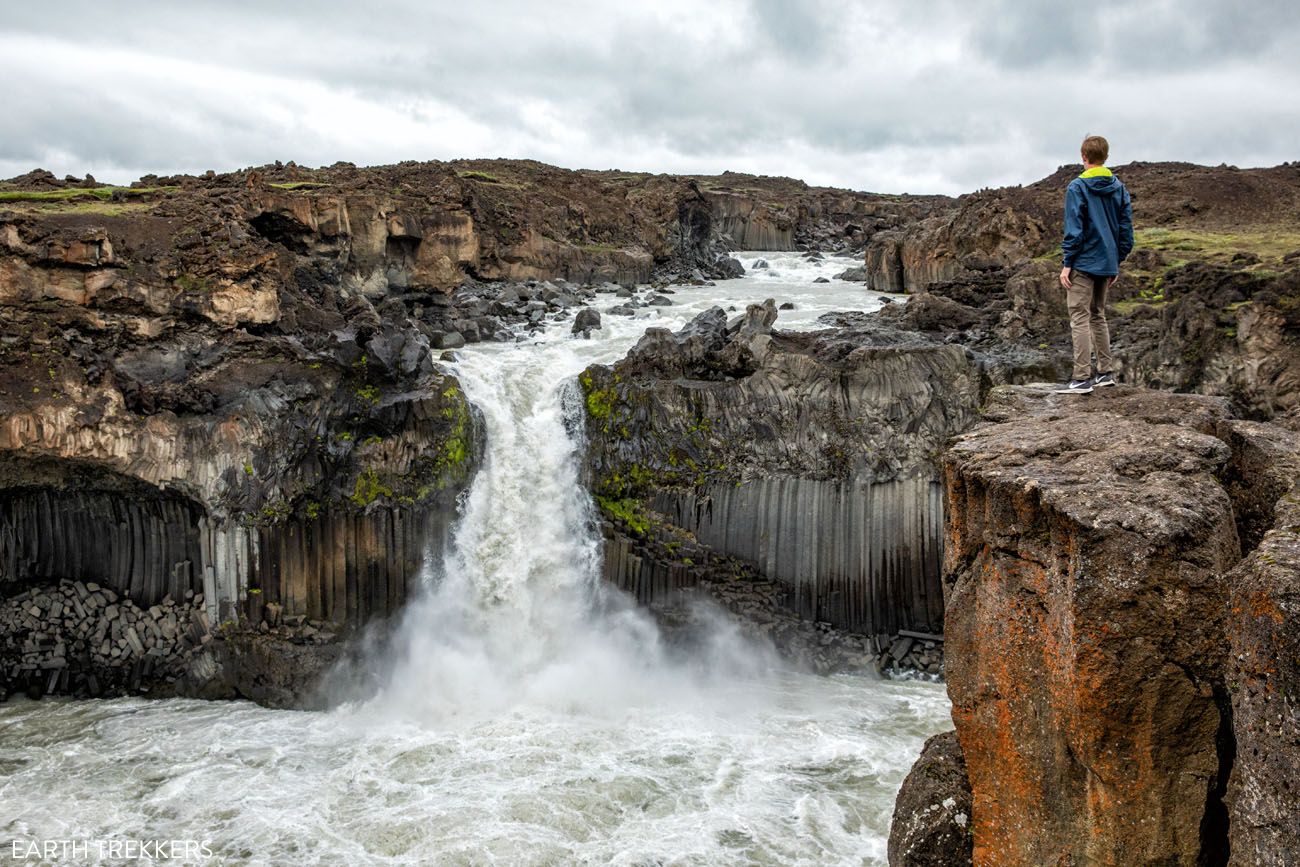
529 715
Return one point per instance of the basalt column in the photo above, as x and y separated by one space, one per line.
811 456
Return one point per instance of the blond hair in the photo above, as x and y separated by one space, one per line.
1095 150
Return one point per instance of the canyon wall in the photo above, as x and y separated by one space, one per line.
221 408
1263 677
761 213
810 455
199 435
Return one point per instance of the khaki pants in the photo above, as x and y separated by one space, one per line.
1086 299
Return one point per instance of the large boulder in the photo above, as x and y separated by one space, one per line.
932 816
1087 548
587 321
729 268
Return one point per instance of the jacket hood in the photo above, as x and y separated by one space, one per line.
1100 184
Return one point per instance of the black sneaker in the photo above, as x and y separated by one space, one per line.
1104 380
1076 386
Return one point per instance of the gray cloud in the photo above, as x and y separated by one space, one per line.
1109 36
892 96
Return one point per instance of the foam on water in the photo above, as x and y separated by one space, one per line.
529 715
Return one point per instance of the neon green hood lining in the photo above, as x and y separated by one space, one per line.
1097 172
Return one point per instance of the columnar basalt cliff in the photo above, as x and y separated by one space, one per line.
1102 693
220 404
810 455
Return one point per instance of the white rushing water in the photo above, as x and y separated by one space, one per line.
530 716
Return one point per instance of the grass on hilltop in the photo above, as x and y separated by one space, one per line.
489 178
1188 244
72 193
83 200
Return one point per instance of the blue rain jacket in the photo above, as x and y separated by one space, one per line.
1098 223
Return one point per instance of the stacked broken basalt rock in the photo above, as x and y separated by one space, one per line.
910 654
270 619
672 573
82 639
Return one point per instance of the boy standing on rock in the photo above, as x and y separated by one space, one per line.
1098 235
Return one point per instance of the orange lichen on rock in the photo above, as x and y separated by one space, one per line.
1084 628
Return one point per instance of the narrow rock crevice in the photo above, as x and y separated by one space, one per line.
1214 823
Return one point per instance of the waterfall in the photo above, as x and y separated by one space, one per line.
515 612
528 714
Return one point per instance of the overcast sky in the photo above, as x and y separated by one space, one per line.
904 95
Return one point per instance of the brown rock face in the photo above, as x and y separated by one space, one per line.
1264 676
1087 545
997 228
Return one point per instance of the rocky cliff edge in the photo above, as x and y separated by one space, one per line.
1121 678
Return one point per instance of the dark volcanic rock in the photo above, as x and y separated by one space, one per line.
1264 678
272 670
936 313
932 816
1220 330
587 321
729 268
1206 303
797 451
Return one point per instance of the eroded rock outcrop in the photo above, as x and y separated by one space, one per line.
763 213
984 230
220 465
1206 302
1092 663
811 455
191 410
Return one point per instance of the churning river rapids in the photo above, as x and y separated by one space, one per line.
529 715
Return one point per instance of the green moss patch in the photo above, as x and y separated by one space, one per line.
1218 246
600 401
191 283
628 512
368 488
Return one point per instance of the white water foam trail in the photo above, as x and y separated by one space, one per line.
516 615
529 719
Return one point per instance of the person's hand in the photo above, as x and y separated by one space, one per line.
1065 277
1113 281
